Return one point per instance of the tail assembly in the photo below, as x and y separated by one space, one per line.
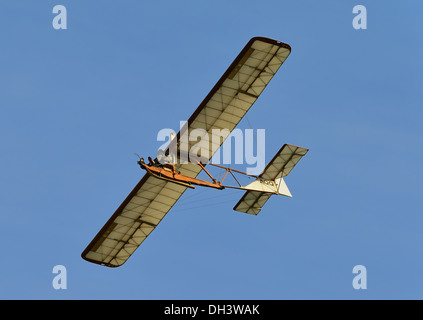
270 181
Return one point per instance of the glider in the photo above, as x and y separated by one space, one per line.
164 183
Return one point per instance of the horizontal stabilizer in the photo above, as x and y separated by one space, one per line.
283 162
270 181
252 202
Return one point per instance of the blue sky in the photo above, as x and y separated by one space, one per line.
76 104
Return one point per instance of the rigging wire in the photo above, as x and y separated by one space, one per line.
202 206
210 200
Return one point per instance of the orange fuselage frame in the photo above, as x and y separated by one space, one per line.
168 172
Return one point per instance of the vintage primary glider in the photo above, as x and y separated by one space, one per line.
163 184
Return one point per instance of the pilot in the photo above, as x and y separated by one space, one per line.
166 160
151 162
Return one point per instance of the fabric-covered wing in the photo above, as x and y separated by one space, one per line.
232 97
133 221
283 162
252 202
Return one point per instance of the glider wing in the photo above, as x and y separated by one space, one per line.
230 99
133 221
